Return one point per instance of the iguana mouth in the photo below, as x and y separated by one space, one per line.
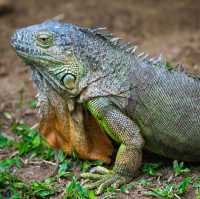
32 57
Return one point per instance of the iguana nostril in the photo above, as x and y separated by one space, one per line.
16 38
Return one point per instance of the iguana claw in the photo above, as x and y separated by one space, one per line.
99 178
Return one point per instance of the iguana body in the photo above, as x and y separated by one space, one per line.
137 101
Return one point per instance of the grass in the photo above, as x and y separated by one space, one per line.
76 191
151 168
179 168
32 145
13 187
170 190
29 146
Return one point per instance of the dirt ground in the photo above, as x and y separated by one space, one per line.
168 27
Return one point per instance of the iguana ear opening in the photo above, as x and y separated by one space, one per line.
73 132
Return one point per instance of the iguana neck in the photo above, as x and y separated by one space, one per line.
108 69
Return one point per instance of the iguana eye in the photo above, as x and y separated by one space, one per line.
69 81
44 39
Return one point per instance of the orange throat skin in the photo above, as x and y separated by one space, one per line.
74 131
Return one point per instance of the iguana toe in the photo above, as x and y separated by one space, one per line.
100 170
100 182
91 176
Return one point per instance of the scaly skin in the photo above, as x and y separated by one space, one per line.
120 128
138 101
65 126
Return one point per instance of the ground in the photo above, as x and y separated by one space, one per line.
168 27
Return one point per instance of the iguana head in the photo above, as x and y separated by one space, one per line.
75 61
50 49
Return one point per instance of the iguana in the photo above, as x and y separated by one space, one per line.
138 101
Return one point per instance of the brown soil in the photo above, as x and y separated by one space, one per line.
168 27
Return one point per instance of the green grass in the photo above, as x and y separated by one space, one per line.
5 142
29 144
12 187
75 190
32 104
151 168
170 190
179 168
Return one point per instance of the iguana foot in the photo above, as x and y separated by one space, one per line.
99 178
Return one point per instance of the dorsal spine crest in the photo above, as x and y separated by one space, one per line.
132 49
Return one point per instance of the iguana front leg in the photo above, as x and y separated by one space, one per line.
122 130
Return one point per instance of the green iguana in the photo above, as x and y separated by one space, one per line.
138 101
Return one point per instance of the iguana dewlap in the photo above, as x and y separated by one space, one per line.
73 132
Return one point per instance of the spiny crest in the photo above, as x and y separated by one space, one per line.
180 68
130 48
114 41
118 42
161 62
157 61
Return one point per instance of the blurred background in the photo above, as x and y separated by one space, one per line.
169 27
